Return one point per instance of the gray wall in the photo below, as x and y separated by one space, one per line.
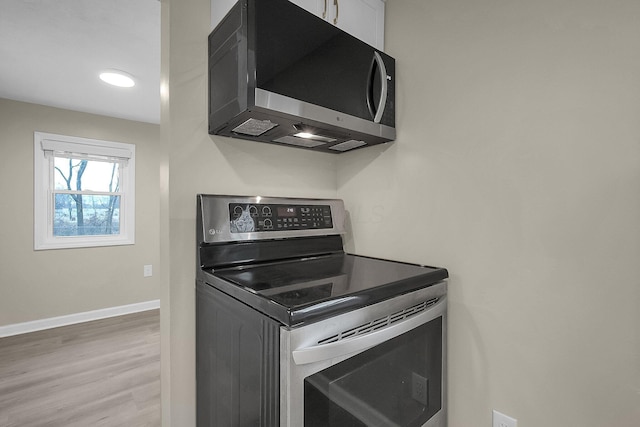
517 166
37 285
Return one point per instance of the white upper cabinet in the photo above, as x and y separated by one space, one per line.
313 6
219 9
363 19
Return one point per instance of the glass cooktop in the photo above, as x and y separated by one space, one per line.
302 290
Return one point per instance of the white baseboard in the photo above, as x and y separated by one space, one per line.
70 319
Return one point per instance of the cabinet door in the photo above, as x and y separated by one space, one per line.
363 19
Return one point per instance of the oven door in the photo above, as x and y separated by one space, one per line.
382 365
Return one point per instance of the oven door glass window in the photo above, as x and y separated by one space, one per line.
397 383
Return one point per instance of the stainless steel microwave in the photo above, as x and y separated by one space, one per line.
281 75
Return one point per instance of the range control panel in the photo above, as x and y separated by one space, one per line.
248 218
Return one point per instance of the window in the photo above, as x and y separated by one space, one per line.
84 192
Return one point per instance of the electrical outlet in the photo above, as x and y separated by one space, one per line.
148 271
419 388
502 420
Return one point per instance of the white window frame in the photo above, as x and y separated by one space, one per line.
45 145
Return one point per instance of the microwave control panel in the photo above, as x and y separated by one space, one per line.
248 218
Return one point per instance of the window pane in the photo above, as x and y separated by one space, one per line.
86 175
86 215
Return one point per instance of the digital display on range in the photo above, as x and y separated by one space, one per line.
249 218
286 211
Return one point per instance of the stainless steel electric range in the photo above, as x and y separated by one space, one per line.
292 331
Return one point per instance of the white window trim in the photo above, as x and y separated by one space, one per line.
43 200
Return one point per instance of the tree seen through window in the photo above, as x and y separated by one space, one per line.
86 197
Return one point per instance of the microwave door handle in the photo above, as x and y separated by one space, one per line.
360 343
377 115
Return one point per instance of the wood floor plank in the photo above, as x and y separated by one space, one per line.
100 373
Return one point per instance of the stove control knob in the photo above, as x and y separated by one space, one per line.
266 211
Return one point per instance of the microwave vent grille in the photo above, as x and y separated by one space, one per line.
348 145
254 127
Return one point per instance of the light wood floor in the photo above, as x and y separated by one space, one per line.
100 373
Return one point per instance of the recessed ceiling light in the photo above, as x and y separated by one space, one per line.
117 78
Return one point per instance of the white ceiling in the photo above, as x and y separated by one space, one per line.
51 52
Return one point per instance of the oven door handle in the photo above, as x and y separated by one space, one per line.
360 343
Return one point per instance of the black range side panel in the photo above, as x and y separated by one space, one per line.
237 363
